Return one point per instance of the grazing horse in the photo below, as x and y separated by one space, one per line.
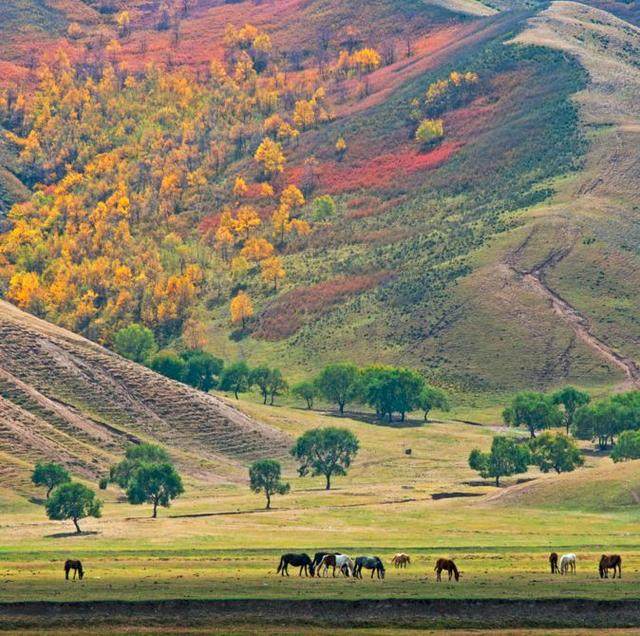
340 561
449 566
76 566
610 562
401 560
568 563
370 563
303 561
553 562
318 556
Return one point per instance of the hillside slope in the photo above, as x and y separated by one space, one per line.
65 398
504 258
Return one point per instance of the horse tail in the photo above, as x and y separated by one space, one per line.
281 565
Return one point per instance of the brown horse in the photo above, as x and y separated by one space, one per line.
553 562
449 566
401 560
610 562
76 566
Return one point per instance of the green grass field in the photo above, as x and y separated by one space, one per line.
217 542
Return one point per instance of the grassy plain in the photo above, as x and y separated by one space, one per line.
216 542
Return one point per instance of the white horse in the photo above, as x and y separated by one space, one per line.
340 561
568 563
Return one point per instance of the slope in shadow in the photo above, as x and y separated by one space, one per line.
64 397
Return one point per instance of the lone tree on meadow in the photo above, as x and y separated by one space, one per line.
339 383
506 457
73 501
50 475
269 381
534 411
135 456
555 452
308 391
265 476
431 397
325 451
600 422
236 377
627 447
157 484
391 390
570 399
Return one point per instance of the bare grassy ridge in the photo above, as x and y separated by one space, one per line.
64 398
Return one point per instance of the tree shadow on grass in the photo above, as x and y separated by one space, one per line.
65 535
39 501
492 482
239 334
371 418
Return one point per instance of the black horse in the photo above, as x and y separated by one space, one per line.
370 563
76 566
317 558
303 561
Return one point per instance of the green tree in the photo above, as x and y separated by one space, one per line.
600 421
277 385
389 390
324 207
325 451
49 475
265 476
156 484
534 411
555 452
307 391
627 446
169 364
135 342
135 456
201 370
260 377
73 501
236 377
431 397
506 458
570 398
339 383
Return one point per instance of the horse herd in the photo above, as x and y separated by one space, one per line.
323 561
568 564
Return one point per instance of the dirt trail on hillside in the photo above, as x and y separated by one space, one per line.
610 181
535 279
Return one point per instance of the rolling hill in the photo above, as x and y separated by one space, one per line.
66 399
503 259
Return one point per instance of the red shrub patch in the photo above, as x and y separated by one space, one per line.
383 170
292 310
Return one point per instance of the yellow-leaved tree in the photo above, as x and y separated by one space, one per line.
270 157
272 271
241 308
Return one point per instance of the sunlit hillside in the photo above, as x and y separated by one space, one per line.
481 258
